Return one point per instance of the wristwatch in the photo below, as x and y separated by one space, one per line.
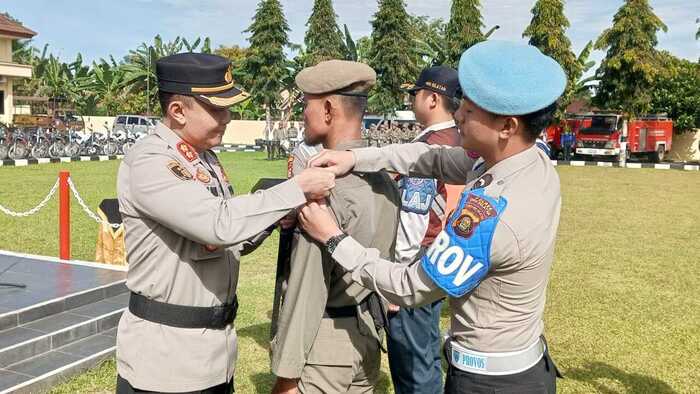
333 242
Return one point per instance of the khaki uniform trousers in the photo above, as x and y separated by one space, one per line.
341 360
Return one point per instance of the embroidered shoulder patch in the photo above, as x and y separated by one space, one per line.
202 176
179 171
187 151
474 212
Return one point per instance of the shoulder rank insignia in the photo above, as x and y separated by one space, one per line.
187 151
179 171
202 176
475 211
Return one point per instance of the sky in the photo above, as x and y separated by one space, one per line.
99 28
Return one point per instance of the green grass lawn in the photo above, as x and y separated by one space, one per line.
623 315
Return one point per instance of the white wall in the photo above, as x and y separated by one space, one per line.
243 132
685 147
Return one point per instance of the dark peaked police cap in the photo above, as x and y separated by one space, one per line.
206 77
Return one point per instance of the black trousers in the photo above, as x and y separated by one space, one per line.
540 379
124 387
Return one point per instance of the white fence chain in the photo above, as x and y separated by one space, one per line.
87 210
34 210
48 197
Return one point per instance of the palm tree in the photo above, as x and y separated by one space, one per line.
140 67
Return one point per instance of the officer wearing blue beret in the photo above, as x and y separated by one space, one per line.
494 254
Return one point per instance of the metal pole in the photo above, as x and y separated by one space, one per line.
64 215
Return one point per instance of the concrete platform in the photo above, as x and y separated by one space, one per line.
63 322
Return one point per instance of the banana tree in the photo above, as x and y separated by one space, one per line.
582 87
140 67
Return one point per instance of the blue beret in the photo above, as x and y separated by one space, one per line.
508 78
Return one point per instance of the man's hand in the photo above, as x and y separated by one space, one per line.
340 162
316 183
285 386
318 221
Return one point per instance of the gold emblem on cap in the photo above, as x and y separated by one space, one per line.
228 77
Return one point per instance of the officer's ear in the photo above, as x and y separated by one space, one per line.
330 105
434 100
177 108
509 128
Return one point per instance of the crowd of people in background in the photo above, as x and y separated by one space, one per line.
391 132
282 137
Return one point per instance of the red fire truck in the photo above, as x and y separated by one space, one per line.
649 136
574 122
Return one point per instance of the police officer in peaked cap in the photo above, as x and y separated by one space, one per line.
186 232
494 255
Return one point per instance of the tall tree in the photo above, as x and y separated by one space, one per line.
463 29
677 92
266 60
323 38
628 70
547 31
140 64
391 55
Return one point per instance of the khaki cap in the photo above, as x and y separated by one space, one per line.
337 77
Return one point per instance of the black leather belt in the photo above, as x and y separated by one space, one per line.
181 316
340 312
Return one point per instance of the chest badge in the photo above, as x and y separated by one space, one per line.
179 171
187 151
202 176
474 212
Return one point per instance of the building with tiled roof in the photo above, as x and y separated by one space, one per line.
9 70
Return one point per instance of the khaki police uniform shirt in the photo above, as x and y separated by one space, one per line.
366 206
504 312
185 233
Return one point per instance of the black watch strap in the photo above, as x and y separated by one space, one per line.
333 242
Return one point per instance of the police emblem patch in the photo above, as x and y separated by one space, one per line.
187 151
202 176
475 211
179 171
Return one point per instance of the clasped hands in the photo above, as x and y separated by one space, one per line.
316 181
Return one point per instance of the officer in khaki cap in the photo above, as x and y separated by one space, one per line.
330 329
186 232
494 255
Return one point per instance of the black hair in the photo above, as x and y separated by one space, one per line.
450 104
537 121
166 98
354 105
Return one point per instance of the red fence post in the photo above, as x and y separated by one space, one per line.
64 215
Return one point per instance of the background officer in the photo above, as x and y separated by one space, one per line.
185 233
327 339
414 339
495 253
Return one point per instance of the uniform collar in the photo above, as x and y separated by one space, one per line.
507 167
435 127
185 150
351 144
